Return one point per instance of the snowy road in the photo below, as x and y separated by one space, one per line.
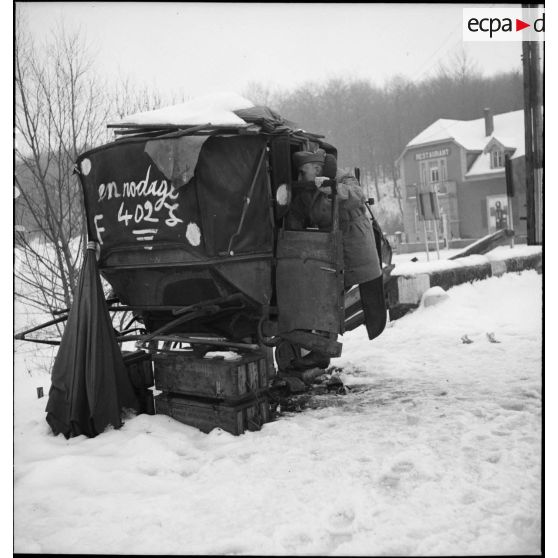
438 451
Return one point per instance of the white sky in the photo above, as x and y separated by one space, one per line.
199 48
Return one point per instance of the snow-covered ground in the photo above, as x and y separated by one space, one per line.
437 450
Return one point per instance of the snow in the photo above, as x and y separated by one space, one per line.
436 450
481 166
433 296
216 109
404 265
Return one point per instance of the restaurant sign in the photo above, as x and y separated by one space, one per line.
432 154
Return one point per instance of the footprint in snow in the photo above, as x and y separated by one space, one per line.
389 481
340 521
149 471
468 498
494 458
512 406
403 467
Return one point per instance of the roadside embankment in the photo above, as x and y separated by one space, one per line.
410 280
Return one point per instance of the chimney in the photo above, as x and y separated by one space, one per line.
488 122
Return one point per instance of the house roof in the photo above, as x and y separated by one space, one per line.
470 134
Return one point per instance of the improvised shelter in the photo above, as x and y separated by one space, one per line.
186 213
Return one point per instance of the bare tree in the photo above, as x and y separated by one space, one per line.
128 98
60 111
260 94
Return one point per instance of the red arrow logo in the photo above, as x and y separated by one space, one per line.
519 25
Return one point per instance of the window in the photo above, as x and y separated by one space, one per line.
434 169
496 159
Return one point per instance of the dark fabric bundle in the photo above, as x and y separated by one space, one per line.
90 385
269 120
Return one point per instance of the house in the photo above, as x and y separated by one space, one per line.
463 163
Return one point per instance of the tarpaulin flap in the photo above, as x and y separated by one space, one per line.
90 385
227 170
176 158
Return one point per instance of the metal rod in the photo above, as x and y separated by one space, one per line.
191 340
247 201
42 341
510 220
146 307
158 126
426 240
229 298
174 323
176 309
198 312
436 237
109 301
21 336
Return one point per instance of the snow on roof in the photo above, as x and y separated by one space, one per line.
482 166
508 130
216 109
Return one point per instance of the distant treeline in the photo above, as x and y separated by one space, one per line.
370 125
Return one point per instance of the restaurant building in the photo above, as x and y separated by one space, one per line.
463 164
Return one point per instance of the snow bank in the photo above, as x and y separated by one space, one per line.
500 253
435 451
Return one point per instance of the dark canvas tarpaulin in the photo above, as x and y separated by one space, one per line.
90 386
132 204
227 169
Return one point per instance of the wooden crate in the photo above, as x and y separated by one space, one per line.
216 378
140 371
139 367
207 415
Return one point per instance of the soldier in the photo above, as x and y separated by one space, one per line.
311 206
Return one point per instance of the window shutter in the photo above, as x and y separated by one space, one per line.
483 213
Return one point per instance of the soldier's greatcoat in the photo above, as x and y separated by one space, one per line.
361 260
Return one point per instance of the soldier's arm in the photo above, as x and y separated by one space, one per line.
350 192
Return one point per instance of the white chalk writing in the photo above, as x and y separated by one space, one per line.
161 190
144 211
98 229
173 219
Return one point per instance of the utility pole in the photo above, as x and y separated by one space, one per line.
534 141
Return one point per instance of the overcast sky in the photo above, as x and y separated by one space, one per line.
199 48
